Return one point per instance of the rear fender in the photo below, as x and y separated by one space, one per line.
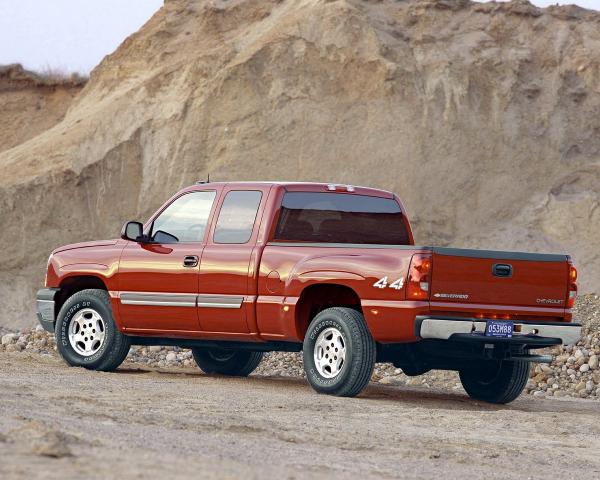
369 276
359 272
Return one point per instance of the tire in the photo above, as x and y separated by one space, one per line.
332 331
235 363
90 307
495 381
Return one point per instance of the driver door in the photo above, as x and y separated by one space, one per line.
158 281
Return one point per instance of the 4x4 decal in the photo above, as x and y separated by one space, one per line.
383 283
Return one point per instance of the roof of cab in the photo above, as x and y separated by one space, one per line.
297 187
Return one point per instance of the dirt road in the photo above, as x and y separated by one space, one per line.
60 422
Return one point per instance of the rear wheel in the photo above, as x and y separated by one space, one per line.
237 363
339 352
86 332
495 381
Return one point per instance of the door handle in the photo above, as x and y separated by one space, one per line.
190 261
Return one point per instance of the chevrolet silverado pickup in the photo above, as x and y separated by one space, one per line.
233 270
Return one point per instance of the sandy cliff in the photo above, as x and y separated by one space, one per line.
485 118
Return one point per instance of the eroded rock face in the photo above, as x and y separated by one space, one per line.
484 118
31 103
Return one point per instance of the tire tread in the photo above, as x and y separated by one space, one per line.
365 351
242 364
115 355
507 387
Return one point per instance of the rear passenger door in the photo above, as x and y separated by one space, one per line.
227 287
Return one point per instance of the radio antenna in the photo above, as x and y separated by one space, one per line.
208 177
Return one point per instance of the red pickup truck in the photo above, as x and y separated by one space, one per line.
233 270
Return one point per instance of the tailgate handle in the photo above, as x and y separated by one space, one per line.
502 270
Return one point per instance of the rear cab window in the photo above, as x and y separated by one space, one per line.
237 217
340 218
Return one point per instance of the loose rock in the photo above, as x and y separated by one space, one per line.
9 338
171 356
574 372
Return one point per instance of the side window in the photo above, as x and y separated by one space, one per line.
237 216
185 219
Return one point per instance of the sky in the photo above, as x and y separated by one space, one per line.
74 35
67 35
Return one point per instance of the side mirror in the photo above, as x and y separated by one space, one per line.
132 231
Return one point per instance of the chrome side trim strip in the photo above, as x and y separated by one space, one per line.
181 300
159 299
219 301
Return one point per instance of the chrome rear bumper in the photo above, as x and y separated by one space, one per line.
446 328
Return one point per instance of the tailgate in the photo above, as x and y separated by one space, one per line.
486 277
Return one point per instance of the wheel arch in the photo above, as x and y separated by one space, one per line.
317 297
73 284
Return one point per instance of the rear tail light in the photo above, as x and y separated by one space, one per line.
419 276
572 285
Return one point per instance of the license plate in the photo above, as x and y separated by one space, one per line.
499 328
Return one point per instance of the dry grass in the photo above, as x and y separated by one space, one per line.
48 77
57 76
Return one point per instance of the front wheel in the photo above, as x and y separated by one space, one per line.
339 352
495 381
86 333
237 363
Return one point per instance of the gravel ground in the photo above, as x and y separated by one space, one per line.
575 371
158 415
140 422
